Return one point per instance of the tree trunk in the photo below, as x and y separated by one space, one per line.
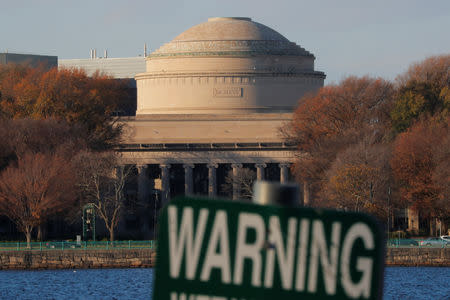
111 234
28 235
40 233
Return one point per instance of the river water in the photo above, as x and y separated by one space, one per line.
400 283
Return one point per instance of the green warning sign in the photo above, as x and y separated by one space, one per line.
213 249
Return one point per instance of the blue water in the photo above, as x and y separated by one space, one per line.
400 283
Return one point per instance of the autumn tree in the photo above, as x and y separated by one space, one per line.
417 161
34 188
26 136
423 91
441 176
336 117
65 94
101 182
360 179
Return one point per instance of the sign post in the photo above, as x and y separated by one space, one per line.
213 249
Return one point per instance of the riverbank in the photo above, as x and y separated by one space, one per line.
77 259
145 258
415 257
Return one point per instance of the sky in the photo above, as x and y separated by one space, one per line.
348 37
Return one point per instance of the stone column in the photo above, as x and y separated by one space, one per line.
260 171
143 183
188 179
143 196
284 172
236 187
165 183
212 179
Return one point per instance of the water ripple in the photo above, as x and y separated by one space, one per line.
399 283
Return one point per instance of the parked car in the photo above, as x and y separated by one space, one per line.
402 242
433 241
446 238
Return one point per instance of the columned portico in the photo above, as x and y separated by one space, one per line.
188 179
214 98
143 183
284 172
165 183
260 171
212 179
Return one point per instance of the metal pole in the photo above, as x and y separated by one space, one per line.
154 217
275 193
286 194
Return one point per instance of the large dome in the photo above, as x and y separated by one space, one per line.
226 66
229 28
229 36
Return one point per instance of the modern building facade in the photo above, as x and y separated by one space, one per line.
213 101
32 60
119 68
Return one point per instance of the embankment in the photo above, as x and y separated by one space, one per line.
432 257
145 258
76 259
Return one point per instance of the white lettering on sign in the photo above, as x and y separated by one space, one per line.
249 251
285 255
221 260
363 264
184 242
301 237
301 255
329 262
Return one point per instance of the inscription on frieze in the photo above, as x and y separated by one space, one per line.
235 92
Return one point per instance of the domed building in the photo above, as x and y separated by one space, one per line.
226 66
211 102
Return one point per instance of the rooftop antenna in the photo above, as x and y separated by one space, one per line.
145 49
106 53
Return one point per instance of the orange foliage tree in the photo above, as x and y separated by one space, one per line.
360 179
65 94
22 139
26 136
417 162
336 117
35 187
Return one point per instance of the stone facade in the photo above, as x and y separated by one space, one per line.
213 101
226 66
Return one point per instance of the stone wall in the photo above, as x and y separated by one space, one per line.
437 257
76 259
145 258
